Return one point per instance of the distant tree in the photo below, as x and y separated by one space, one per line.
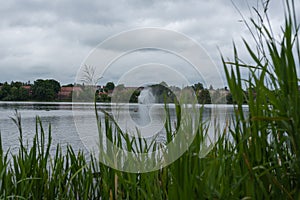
162 93
229 98
110 86
198 86
103 98
163 83
1 95
16 84
68 85
204 97
14 92
5 92
45 90
134 98
23 94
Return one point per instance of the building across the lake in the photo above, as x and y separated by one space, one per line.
66 92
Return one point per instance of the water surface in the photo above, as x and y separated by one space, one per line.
63 129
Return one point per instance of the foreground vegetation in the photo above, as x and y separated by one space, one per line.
256 157
249 165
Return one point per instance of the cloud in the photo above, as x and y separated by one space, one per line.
53 38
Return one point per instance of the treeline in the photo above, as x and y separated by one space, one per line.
51 90
40 90
15 91
164 93
169 94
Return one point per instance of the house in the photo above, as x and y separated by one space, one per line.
67 91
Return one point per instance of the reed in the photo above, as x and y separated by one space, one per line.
256 157
268 140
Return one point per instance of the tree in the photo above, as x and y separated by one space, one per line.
14 92
229 99
68 85
45 90
198 86
109 86
5 91
162 93
204 97
103 97
163 83
134 98
16 84
23 94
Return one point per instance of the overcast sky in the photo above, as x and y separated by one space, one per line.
52 39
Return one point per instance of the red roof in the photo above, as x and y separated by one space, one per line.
67 91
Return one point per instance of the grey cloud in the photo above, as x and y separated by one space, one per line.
58 35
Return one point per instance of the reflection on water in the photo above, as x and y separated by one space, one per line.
60 116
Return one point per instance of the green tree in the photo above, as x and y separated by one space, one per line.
162 93
23 94
45 90
229 99
16 84
14 95
5 92
198 86
13 92
204 97
109 86
135 96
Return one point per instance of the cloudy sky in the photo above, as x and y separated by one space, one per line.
53 39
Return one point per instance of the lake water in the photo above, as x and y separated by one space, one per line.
61 118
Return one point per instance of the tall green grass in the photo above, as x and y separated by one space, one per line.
231 170
268 140
256 157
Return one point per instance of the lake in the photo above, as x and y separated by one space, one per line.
61 117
